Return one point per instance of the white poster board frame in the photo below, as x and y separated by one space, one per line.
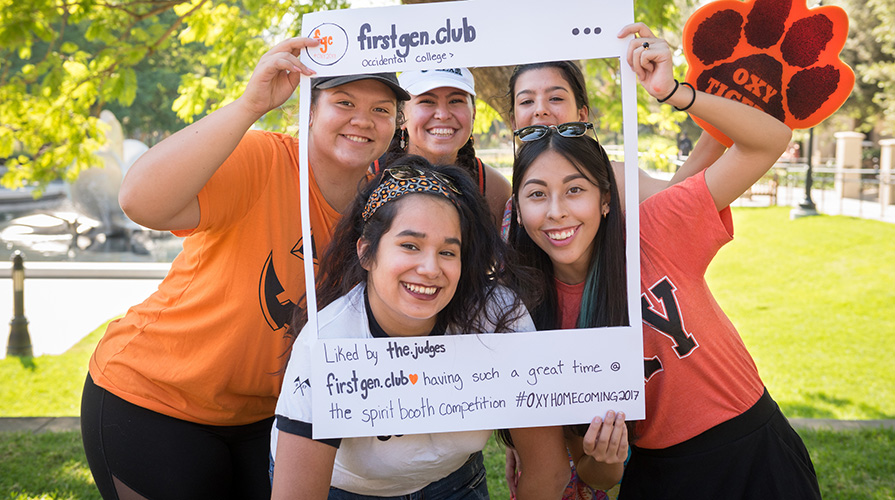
368 387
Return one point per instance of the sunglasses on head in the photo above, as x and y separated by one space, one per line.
568 129
407 172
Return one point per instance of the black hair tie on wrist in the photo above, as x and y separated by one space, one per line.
688 106
676 85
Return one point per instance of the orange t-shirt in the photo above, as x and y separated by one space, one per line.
210 346
698 371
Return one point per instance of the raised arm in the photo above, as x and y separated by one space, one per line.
758 138
160 189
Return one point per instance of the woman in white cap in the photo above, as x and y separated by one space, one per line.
181 393
438 127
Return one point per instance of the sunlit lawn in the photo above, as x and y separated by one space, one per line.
812 298
815 303
852 465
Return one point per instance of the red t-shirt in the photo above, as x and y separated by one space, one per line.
568 301
698 371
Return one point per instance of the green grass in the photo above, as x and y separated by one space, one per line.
812 298
44 466
46 386
851 465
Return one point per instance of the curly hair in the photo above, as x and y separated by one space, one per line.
483 257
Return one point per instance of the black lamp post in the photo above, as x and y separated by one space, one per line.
19 343
807 207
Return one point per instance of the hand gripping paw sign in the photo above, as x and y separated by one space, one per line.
776 55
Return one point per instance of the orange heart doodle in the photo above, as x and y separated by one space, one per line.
776 55
413 378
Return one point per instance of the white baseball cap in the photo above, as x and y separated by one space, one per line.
421 81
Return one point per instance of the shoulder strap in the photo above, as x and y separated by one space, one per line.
481 166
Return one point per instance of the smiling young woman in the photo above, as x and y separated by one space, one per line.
438 126
706 406
415 255
181 391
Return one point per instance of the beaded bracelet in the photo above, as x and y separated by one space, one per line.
685 108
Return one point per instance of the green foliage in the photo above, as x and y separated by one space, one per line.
878 72
666 19
485 117
66 61
657 153
869 52
159 65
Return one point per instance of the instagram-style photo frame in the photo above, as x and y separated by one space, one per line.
371 387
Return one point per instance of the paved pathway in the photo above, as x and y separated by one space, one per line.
828 203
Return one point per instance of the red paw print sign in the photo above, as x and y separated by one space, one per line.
776 55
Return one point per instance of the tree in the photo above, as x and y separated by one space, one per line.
666 19
869 50
53 86
875 63
662 16
66 60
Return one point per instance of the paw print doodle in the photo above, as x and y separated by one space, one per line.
776 55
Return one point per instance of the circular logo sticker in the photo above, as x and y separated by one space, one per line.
333 44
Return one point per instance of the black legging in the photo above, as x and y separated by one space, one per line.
165 458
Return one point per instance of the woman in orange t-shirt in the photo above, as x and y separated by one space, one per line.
181 393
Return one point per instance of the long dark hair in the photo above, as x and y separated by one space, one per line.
571 73
605 300
483 257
